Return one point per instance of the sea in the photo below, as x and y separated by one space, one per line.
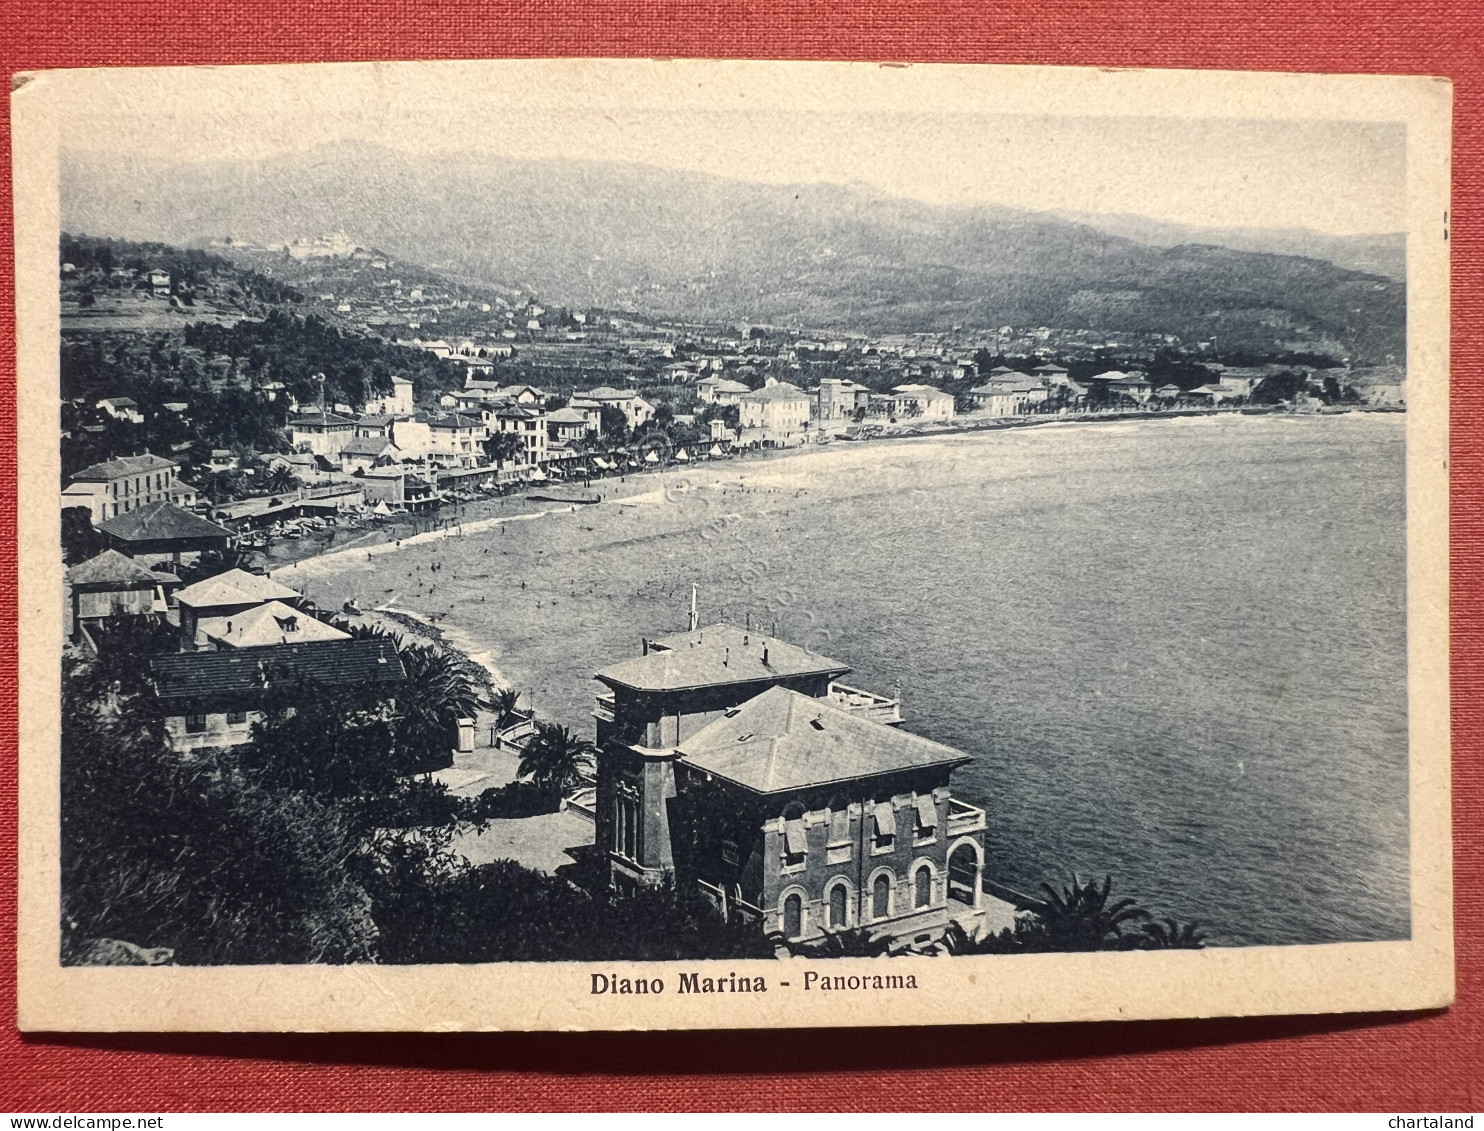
1175 649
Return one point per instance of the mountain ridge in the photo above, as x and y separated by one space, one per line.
692 246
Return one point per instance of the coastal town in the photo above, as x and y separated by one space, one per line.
233 411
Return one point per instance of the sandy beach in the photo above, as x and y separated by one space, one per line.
1136 664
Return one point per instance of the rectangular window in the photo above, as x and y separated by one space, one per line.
794 840
795 844
729 852
927 818
840 826
884 821
195 724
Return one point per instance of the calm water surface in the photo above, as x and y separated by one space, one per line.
1175 648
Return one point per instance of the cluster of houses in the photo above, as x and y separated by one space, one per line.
238 633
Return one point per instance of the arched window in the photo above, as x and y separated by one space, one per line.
924 886
838 916
881 897
963 875
793 917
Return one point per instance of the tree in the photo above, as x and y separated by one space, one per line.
1279 388
335 742
213 562
615 424
438 693
196 856
281 480
857 942
79 540
1079 917
556 761
1170 934
505 702
502 447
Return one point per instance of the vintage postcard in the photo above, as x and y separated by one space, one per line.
607 544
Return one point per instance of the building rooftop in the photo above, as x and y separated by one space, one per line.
113 568
322 420
784 741
715 655
567 416
198 675
725 385
271 623
366 446
235 587
1022 384
160 521
778 391
454 422
124 465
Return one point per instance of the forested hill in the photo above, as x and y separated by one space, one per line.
100 265
215 363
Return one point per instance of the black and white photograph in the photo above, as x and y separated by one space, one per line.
737 544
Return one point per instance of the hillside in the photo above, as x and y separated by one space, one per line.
624 237
213 360
1382 254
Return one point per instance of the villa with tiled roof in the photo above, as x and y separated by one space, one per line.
738 763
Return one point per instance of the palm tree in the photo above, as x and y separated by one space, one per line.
557 761
846 943
1079 916
504 702
281 480
1171 934
438 693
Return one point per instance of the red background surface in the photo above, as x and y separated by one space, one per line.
1379 1062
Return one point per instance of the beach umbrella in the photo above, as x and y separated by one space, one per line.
652 457
381 508
716 449
681 456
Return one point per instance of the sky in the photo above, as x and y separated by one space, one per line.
1335 176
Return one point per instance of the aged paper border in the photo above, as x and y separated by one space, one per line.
1414 974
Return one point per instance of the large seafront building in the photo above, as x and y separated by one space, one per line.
739 763
118 486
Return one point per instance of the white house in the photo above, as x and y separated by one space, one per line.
396 403
720 390
923 402
122 408
777 414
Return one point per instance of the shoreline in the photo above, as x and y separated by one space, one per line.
781 471
613 489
